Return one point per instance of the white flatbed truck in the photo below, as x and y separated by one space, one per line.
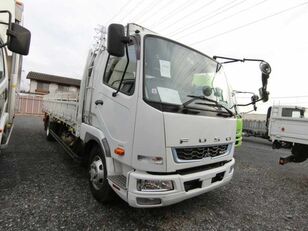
289 124
154 120
14 42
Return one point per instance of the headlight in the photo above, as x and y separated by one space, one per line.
154 185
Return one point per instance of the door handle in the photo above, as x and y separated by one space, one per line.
97 102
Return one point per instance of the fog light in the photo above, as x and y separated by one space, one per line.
148 201
154 185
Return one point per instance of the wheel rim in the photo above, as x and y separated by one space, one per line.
97 172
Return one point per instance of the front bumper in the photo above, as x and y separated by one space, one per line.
179 193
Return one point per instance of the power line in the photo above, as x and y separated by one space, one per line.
176 11
136 6
157 9
284 97
219 10
115 15
250 23
225 18
184 17
277 97
146 9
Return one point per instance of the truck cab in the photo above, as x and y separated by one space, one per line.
156 119
288 126
14 42
174 145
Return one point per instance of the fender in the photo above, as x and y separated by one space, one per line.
3 122
88 133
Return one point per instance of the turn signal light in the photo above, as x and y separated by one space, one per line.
119 151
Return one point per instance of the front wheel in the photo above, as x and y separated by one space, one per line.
99 185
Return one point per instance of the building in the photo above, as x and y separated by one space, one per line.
41 83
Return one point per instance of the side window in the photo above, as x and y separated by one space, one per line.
115 69
293 112
42 87
63 88
2 71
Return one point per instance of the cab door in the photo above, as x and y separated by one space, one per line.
3 92
3 82
115 115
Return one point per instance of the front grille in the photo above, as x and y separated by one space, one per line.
198 153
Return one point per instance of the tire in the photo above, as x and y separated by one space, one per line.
49 126
99 185
300 152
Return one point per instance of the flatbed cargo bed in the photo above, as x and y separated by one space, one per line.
62 106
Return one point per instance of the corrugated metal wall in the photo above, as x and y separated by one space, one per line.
255 127
29 104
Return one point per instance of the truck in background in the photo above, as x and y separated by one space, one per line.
255 126
14 42
154 121
288 126
239 131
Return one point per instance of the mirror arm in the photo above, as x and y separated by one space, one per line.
233 60
114 94
4 23
3 45
247 104
10 18
9 24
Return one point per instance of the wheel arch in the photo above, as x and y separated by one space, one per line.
91 140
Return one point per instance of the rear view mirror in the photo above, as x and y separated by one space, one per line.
266 70
115 44
207 91
263 94
19 39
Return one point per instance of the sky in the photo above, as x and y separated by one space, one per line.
272 30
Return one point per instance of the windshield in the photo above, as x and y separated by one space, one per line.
174 73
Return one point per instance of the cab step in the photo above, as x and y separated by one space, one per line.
118 180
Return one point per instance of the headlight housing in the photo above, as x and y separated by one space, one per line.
154 185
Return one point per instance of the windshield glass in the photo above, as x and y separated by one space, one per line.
173 73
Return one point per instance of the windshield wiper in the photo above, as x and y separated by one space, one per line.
194 97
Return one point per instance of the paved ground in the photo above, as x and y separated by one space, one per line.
41 188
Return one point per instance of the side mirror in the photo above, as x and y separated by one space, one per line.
115 44
263 94
254 100
19 39
266 70
207 91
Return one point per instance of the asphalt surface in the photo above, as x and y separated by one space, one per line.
41 188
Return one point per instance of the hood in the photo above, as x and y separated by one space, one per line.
183 131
